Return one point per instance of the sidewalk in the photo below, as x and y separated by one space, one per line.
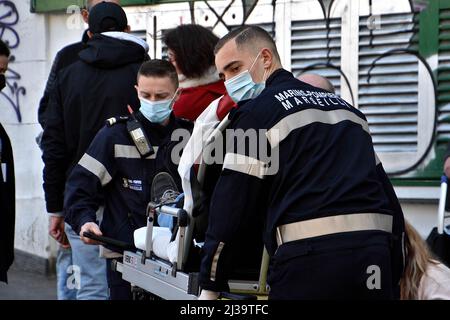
23 285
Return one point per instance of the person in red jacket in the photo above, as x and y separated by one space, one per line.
191 51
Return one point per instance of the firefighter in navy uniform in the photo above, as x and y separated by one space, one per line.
120 168
333 225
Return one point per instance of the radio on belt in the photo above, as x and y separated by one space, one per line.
137 133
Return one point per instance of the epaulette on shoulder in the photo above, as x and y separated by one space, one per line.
114 120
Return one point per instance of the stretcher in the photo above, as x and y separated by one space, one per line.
177 278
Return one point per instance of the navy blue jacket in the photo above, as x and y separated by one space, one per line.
327 166
113 168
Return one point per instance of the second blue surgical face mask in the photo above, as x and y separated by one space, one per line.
242 86
156 111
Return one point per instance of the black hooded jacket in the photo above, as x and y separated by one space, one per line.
98 86
65 57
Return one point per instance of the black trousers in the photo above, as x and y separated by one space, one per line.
119 289
353 266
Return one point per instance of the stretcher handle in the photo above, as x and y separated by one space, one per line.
442 199
180 213
175 212
106 240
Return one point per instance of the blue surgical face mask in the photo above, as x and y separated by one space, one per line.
242 86
156 111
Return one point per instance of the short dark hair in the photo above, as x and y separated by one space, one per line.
251 36
193 46
159 68
4 50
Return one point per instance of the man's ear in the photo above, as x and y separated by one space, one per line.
137 89
85 15
267 57
127 29
90 34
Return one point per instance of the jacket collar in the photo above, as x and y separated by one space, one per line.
128 37
210 76
279 74
109 53
156 128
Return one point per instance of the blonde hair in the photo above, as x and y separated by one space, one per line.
418 257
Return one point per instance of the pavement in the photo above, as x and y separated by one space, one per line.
25 285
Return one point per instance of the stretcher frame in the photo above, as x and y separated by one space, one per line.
169 281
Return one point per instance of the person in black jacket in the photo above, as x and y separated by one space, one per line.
64 58
86 93
7 184
302 161
113 164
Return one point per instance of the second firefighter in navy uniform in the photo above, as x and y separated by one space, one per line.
115 173
333 225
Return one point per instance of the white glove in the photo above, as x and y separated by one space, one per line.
208 295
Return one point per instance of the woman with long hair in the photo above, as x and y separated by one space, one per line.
425 278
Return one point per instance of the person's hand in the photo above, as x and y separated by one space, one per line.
65 242
90 227
56 229
208 295
447 167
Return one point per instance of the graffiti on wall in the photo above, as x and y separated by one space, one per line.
9 17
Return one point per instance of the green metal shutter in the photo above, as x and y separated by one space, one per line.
434 39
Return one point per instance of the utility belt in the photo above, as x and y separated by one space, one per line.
331 225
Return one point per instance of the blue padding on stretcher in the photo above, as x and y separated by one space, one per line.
166 220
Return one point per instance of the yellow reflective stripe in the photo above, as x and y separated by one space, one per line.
244 164
215 261
305 117
130 152
334 224
95 167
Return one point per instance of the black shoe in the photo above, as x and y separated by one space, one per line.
164 189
